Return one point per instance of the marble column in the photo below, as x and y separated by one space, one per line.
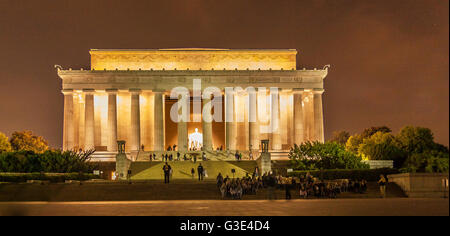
89 119
112 120
275 119
207 124
318 115
230 132
135 137
299 134
69 128
159 121
182 123
253 128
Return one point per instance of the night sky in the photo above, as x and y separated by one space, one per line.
390 59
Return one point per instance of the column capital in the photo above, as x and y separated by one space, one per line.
111 91
229 90
286 90
88 91
298 90
135 91
252 91
318 90
67 91
158 91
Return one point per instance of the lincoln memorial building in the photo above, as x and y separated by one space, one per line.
126 95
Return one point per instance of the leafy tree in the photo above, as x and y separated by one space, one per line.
372 130
415 139
5 146
340 137
26 141
382 146
429 161
353 143
329 155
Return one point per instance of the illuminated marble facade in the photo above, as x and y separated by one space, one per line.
122 97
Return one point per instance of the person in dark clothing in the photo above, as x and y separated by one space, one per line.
200 171
166 169
219 180
178 156
287 186
271 184
192 173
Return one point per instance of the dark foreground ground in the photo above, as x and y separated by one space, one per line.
147 190
309 207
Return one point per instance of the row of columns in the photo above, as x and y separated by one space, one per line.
275 113
230 124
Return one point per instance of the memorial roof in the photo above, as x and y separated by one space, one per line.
193 59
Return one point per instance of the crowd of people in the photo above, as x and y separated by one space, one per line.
305 187
165 157
312 187
236 188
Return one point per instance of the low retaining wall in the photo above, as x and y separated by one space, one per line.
417 185
379 164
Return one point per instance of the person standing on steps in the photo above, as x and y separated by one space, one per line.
204 156
167 169
200 172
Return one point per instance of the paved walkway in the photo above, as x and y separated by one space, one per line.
323 207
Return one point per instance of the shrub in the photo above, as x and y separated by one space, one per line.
429 162
356 174
52 177
330 155
50 161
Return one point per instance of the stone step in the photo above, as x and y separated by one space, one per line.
143 170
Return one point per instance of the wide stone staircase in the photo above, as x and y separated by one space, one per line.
148 170
210 155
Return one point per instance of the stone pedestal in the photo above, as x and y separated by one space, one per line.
264 163
122 162
122 166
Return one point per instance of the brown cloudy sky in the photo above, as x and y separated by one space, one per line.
390 59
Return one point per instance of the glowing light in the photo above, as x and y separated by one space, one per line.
196 140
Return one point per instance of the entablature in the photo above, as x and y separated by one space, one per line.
168 79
